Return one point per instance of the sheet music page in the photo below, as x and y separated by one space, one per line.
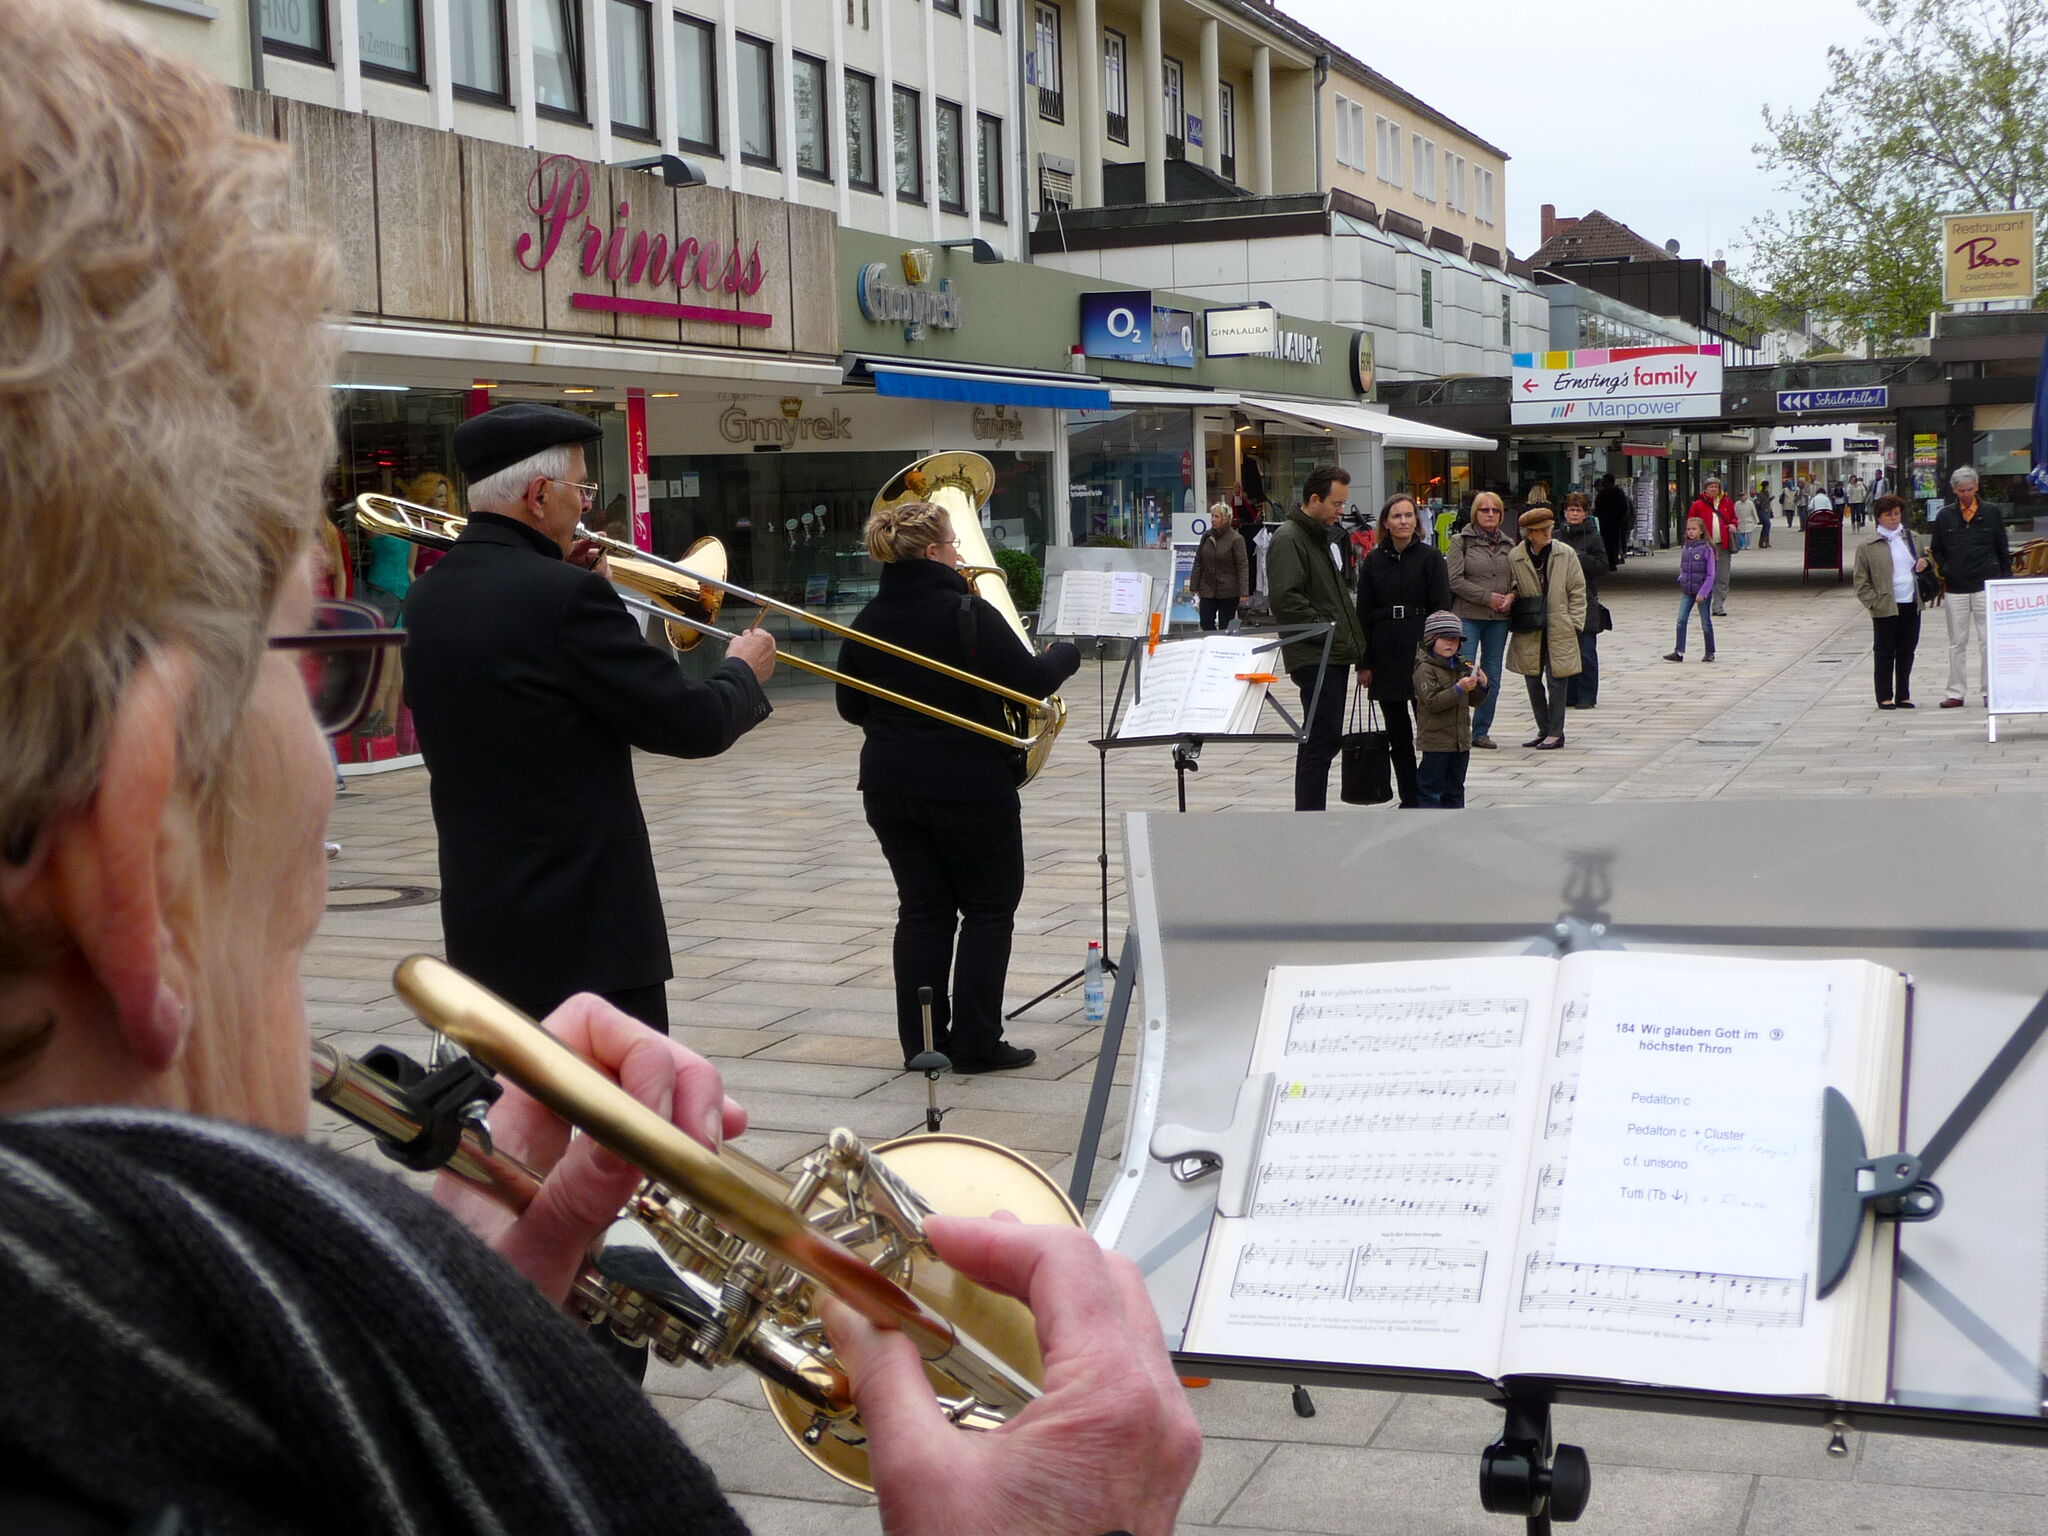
1104 603
1084 603
1163 678
1702 1327
1391 1171
1215 694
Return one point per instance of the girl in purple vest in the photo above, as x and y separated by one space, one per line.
1695 585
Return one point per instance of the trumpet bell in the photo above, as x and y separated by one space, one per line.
956 1176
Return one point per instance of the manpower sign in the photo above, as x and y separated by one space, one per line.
1617 385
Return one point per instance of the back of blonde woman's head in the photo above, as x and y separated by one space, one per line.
906 530
164 416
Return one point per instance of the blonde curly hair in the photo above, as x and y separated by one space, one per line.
906 530
164 399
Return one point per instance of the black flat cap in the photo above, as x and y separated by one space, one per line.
505 434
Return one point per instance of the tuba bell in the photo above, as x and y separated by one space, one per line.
718 1259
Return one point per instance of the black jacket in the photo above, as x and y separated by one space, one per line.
920 607
1585 540
1970 554
530 685
1397 592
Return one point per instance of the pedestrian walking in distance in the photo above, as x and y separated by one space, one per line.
1695 585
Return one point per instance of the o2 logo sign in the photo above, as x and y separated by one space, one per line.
1127 327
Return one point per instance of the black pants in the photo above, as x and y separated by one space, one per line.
1441 778
1895 640
1547 704
959 868
1401 745
1217 612
1313 757
1583 690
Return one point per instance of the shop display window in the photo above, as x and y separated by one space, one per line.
1129 474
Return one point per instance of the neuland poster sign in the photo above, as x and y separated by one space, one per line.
1619 384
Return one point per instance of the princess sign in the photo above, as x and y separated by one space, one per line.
1619 384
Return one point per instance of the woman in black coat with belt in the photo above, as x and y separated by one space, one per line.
1402 582
942 800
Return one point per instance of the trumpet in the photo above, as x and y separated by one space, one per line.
718 1259
687 594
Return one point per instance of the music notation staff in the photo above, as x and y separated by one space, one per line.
1383 1124
1549 1180
1571 1027
1407 1025
1557 1120
1451 1088
1693 1298
1405 1276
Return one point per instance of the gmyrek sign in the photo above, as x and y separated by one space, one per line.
1621 384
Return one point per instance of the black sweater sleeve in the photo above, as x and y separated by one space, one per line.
1003 658
642 693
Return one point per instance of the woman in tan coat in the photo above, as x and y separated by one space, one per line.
1539 567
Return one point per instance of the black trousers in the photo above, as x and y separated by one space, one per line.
1313 757
1895 640
959 868
1217 612
1400 718
1547 703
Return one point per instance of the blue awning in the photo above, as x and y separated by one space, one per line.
1043 392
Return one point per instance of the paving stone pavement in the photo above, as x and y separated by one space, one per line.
780 909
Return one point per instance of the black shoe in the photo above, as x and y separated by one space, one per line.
1536 743
1004 1058
1708 657
1907 704
1548 746
1676 656
1886 704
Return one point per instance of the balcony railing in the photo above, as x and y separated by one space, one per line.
1230 168
1176 149
1119 128
1052 105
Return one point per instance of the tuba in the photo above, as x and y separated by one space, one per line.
718 1259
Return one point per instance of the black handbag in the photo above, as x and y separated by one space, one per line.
1606 620
1526 615
1368 758
1927 582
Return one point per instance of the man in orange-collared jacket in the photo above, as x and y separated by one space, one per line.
1716 513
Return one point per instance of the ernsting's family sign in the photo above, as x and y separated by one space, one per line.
559 193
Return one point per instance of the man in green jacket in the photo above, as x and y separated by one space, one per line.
1304 587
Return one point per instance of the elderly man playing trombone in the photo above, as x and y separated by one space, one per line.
530 684
207 1323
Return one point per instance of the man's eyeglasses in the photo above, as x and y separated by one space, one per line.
341 659
588 489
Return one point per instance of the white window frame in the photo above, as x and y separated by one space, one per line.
1425 166
1388 150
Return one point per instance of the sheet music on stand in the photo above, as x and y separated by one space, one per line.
1211 686
1098 603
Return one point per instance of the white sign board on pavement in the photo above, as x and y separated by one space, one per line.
2016 643
1619 384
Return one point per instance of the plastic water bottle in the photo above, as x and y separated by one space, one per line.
1093 1005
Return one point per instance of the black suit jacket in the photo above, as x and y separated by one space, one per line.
530 684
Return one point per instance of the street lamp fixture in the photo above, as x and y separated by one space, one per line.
675 170
985 255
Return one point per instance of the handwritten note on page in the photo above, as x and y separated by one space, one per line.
1695 1139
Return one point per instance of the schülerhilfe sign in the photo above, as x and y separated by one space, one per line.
1621 384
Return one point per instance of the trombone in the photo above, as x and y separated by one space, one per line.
687 597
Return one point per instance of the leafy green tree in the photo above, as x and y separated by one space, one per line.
1940 110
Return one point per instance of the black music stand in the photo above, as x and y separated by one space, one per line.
1187 752
1957 1372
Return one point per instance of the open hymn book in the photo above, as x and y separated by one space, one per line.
1201 687
1605 1166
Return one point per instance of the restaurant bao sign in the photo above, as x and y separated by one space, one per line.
1987 256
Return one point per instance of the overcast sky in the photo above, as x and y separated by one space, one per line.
1643 110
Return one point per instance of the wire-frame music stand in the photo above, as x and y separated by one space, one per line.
1187 751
